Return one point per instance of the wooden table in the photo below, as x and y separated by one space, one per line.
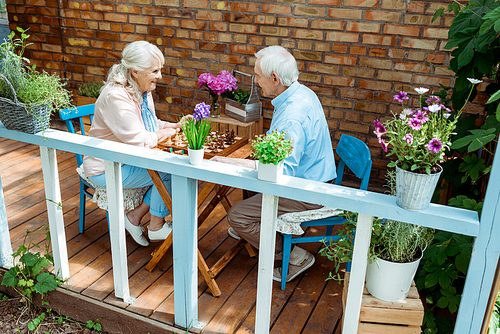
220 192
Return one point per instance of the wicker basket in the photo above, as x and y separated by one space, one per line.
15 115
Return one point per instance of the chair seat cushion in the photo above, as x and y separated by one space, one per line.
132 197
289 223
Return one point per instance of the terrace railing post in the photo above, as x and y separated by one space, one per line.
114 190
358 273
185 250
483 262
267 246
6 259
55 211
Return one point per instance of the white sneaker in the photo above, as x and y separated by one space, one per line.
233 234
135 232
161 234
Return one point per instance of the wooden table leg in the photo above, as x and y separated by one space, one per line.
208 276
159 252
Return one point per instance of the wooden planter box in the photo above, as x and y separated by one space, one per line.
381 317
249 112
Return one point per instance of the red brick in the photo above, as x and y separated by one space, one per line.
416 43
384 97
307 34
341 60
191 24
379 39
233 59
362 27
437 58
357 94
360 3
339 48
336 103
342 37
424 20
394 76
195 3
92 16
185 44
345 13
412 67
107 36
166 22
354 127
304 55
327 24
375 63
102 7
309 11
239 17
377 52
115 17
153 11
293 22
393 4
375 85
138 19
274 31
247 7
417 7
378 15
358 72
338 81
372 107
243 49
243 28
436 33
185 14
264 19
394 29
326 3
276 9
430 80
358 50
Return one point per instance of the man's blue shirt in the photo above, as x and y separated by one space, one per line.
299 112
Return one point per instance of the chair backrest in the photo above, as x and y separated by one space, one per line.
68 115
356 155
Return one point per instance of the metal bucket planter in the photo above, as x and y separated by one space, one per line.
414 190
390 281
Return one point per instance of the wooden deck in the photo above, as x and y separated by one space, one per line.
308 305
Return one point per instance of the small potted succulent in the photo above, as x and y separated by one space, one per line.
196 130
28 97
271 150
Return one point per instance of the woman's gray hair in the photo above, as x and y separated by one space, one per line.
277 59
140 56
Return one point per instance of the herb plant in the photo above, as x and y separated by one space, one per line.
90 89
272 148
240 95
196 129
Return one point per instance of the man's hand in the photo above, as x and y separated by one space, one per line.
236 162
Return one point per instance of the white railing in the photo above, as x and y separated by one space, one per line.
184 203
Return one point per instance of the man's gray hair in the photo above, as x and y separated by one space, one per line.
140 56
277 59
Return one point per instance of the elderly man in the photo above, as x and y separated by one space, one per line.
298 111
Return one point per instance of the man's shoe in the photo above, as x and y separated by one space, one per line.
135 232
295 270
233 234
161 234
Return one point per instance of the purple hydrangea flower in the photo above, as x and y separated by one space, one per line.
201 111
379 128
229 79
409 138
401 96
414 123
434 146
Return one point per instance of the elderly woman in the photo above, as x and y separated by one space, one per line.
124 112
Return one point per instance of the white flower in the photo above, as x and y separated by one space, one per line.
446 115
474 81
402 116
421 90
434 108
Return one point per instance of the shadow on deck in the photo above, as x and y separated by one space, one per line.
308 305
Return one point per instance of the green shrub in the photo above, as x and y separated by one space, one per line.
90 89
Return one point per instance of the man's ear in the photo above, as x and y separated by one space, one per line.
276 78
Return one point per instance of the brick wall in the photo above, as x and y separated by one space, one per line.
354 53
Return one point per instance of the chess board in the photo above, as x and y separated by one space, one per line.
220 144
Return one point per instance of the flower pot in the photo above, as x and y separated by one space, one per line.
196 156
269 172
390 281
414 190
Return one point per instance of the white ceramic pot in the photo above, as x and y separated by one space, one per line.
390 281
414 190
269 172
196 156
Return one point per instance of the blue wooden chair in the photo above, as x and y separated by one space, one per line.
356 156
132 197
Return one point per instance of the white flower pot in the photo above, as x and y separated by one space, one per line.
269 172
196 156
414 190
390 281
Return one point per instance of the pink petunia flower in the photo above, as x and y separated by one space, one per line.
379 128
409 138
383 144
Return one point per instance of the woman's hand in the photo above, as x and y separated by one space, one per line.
163 134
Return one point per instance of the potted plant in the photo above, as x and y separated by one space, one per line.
88 92
393 256
27 97
418 138
271 150
243 105
216 86
196 130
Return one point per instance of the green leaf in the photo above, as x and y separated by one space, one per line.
431 280
438 13
497 114
494 97
29 259
46 282
10 278
466 55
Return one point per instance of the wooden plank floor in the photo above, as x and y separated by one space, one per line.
308 305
